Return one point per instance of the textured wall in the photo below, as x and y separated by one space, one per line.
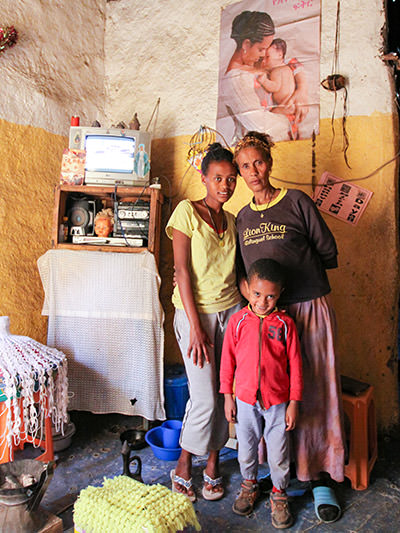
158 49
56 69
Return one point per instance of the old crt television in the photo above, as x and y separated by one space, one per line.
113 156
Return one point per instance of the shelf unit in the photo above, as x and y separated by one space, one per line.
107 195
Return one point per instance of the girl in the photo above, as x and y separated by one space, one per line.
285 225
204 244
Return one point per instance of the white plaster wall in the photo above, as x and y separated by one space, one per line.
56 69
105 60
170 49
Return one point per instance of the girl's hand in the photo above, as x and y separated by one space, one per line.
198 347
292 412
230 408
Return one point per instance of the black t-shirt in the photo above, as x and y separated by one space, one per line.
292 232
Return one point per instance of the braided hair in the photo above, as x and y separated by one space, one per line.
263 141
252 25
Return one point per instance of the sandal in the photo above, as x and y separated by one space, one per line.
210 494
326 505
186 484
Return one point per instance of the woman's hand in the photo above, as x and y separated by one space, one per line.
230 408
197 349
292 412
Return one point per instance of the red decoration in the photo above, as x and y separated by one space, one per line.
8 37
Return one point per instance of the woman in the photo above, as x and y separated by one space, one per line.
286 226
253 32
204 244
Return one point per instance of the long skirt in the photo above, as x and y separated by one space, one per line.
318 439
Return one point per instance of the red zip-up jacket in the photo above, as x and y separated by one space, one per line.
262 354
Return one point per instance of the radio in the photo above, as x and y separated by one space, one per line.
131 218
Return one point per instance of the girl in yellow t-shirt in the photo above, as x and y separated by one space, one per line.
206 295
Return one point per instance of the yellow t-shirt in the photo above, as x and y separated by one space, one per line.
212 266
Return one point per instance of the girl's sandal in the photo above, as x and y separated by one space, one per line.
210 494
186 484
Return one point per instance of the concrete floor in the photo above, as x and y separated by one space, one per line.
95 453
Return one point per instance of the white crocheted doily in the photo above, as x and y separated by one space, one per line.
27 368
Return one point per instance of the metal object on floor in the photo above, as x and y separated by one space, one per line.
127 461
19 499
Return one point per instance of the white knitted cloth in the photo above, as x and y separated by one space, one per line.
28 367
105 314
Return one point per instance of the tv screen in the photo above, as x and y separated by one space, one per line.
107 153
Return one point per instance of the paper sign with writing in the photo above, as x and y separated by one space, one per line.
343 200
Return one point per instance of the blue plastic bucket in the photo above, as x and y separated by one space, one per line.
176 391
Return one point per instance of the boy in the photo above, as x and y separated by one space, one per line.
261 352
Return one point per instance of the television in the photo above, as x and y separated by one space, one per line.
113 156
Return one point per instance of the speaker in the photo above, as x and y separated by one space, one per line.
81 213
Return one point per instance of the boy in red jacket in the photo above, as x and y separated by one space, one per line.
261 352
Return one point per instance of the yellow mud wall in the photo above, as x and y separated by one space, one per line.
49 76
365 286
30 167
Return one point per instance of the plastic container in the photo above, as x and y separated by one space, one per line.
172 432
176 392
155 438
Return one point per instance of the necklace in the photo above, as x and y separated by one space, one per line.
214 225
270 197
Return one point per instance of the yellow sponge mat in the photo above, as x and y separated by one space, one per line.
125 505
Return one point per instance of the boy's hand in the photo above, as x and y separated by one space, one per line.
230 408
292 412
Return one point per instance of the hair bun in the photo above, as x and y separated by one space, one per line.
214 147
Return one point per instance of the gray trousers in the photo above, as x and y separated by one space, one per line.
249 431
204 426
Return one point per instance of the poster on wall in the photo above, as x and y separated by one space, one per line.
343 200
269 69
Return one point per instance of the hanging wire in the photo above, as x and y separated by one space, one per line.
344 180
336 82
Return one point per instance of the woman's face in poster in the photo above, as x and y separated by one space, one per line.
255 52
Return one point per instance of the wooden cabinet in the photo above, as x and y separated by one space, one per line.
106 196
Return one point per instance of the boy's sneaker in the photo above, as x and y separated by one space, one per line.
244 503
280 514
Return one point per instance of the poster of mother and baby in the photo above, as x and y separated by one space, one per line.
269 69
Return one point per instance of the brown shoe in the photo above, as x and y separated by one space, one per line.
280 514
244 503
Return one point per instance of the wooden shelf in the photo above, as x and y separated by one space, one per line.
107 195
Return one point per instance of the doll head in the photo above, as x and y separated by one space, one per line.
104 222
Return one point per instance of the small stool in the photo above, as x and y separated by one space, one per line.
7 454
363 448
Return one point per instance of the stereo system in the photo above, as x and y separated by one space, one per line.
131 222
131 219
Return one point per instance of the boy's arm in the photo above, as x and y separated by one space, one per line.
228 361
295 362
230 408
292 412
295 374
